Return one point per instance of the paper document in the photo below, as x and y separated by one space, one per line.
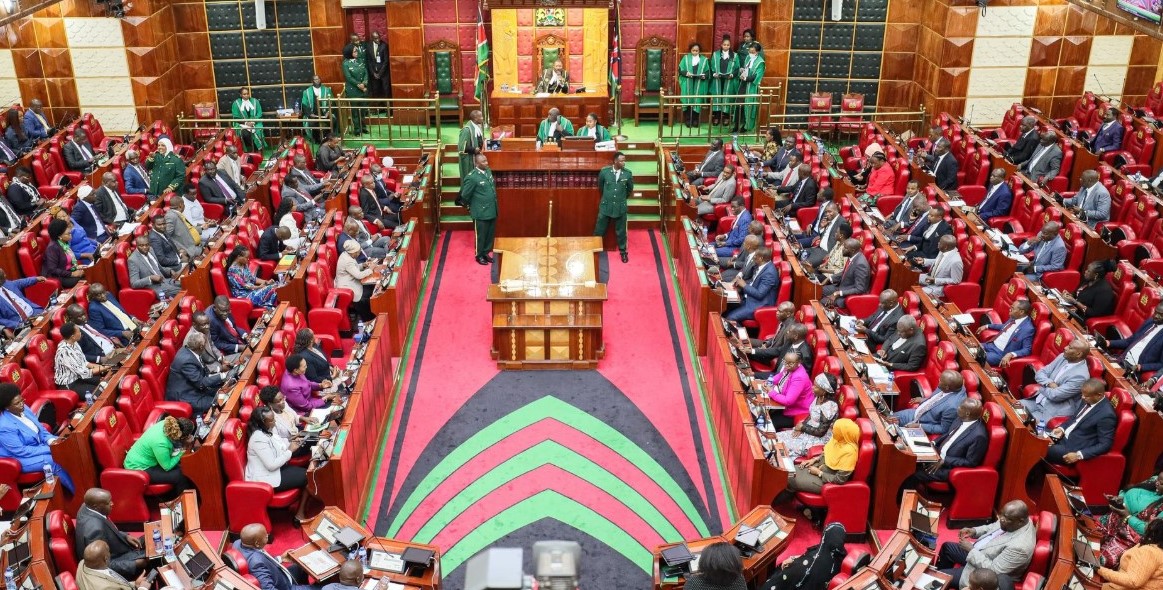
879 374
963 318
209 232
788 464
318 562
847 323
172 579
127 228
926 581
860 346
875 213
388 562
321 414
731 293
956 203
794 226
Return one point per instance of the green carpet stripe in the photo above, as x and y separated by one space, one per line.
547 407
548 453
547 504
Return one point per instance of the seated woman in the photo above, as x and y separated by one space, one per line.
817 429
816 567
287 422
1095 297
71 370
860 177
1142 565
243 282
1130 512
835 465
791 387
720 568
298 388
267 455
84 247
159 452
24 438
593 129
319 367
60 262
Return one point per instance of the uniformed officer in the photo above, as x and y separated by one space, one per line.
615 183
478 192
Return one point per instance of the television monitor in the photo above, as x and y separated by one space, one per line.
1145 9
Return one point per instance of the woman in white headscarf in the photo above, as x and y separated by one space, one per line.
817 429
167 171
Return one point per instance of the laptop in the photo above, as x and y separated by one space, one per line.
1084 554
677 555
198 565
922 529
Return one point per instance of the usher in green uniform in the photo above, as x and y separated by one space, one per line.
480 193
616 187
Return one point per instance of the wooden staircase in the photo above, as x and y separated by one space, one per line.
643 208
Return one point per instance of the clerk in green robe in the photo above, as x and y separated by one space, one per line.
471 142
554 127
616 184
247 111
478 192
593 129
167 171
355 86
694 77
751 67
316 109
724 69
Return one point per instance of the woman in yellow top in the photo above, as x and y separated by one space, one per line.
834 465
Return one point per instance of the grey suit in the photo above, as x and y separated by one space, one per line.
307 181
140 271
308 207
165 251
946 269
722 192
1045 163
710 167
854 280
177 231
1046 257
1063 400
909 355
1095 203
1007 554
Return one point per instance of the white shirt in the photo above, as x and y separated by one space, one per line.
15 300
96 218
1134 352
120 206
695 59
899 342
1003 339
102 340
27 422
288 221
1086 408
953 437
932 229
194 212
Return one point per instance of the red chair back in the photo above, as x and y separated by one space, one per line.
61 541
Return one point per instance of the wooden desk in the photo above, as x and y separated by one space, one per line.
398 292
527 181
902 547
698 298
526 111
428 579
756 567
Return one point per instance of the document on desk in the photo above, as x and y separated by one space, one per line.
387 562
963 318
731 294
875 213
847 323
373 583
919 444
794 226
878 374
318 562
321 414
860 345
172 579
209 232
127 228
926 581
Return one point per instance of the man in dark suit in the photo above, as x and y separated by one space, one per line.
799 195
127 554
853 279
307 181
1109 137
22 195
926 242
96 346
760 291
881 325
190 381
780 159
168 254
712 164
108 317
218 188
110 205
1143 350
726 245
964 445
824 198
78 152
271 245
1014 339
379 79
1023 148
267 569
742 264
944 167
86 215
769 349
999 198
226 335
1045 162
795 340
908 351
375 212
902 215
135 176
1090 432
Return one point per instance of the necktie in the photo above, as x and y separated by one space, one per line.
880 320
225 187
8 153
85 151
12 301
126 321
153 264
102 340
229 323
929 403
194 233
143 173
988 196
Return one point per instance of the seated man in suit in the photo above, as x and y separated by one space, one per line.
1046 161
36 125
271 245
908 351
218 188
999 197
1046 252
1060 384
1109 137
554 127
772 347
110 206
796 341
946 268
266 568
1142 351
1005 547
927 146
98 348
354 229
1014 339
94 571
1090 432
854 279
10 221
210 356
307 181
225 334
86 215
135 176
741 264
390 200
944 167
926 242
190 381
145 272
712 164
819 238
760 291
15 307
381 216
1092 202
108 317
902 216
168 254
78 152
797 196
304 203
722 191
789 174
778 162
964 444
184 233
880 327
821 264
230 165
725 245
124 553
936 413
1027 141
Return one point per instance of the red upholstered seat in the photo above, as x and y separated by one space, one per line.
848 502
851 113
247 502
1129 317
137 402
135 301
978 485
1052 346
327 305
47 174
62 541
820 117
1100 476
942 357
1047 523
999 312
111 440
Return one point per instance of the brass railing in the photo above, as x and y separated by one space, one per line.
273 129
672 122
897 120
391 120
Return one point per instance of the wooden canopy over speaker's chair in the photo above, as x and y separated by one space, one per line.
655 70
444 77
550 48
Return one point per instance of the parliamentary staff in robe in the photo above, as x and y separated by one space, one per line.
616 184
554 80
594 129
316 108
355 86
471 142
750 76
554 127
724 65
247 112
694 76
478 192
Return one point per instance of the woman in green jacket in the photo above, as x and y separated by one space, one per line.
246 111
355 86
724 69
751 67
694 72
167 171
593 129
159 453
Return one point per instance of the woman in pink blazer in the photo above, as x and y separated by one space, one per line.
791 387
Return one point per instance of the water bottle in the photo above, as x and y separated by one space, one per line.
912 153
1041 428
9 579
363 556
157 539
169 549
89 399
359 332
161 297
49 476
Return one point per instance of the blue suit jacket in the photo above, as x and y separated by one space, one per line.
1022 342
222 339
1109 139
104 321
1151 358
264 568
134 183
16 442
968 450
9 318
760 291
940 418
1051 257
999 204
86 220
739 231
32 126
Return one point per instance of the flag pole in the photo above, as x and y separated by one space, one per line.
483 77
618 83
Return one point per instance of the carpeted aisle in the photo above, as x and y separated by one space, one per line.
618 459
